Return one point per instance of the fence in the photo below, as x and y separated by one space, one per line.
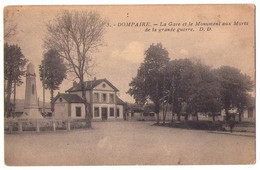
38 125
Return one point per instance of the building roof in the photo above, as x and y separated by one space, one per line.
90 85
119 101
70 98
74 98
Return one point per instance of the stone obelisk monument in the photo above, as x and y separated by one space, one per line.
31 107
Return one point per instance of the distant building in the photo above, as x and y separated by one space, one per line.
141 113
101 96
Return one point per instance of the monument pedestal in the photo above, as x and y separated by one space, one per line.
31 113
31 107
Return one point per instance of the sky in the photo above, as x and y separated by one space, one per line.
123 52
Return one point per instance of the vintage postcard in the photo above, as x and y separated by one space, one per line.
129 85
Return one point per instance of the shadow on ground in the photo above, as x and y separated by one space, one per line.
219 126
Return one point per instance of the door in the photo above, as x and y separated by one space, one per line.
104 113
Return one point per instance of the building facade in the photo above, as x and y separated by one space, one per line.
69 106
101 96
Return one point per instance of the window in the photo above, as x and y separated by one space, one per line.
112 112
33 89
96 97
60 99
78 111
96 112
104 85
111 98
117 112
104 98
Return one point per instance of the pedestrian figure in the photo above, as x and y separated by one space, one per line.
231 125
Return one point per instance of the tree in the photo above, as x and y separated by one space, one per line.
75 36
137 89
149 107
234 88
149 82
242 102
205 95
52 72
180 76
10 28
167 91
14 62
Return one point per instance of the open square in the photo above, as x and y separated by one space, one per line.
125 143
129 84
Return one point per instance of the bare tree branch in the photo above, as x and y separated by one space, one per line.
9 25
76 35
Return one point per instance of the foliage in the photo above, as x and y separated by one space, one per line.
180 75
193 84
205 92
14 63
133 107
54 72
149 108
234 87
137 89
150 79
198 125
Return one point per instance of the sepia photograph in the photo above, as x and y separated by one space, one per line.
129 85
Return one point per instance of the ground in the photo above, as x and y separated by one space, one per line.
124 143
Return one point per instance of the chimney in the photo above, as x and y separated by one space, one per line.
95 78
75 84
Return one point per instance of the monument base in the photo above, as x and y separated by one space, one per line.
31 113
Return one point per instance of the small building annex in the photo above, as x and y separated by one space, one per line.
101 96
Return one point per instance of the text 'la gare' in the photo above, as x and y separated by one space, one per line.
173 24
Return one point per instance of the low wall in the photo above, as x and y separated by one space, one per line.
38 125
